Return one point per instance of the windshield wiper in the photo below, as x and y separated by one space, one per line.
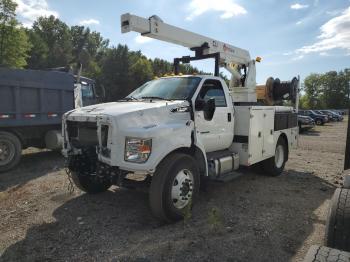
129 98
154 97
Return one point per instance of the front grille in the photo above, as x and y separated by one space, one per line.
104 135
105 151
82 134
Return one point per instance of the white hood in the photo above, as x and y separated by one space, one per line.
135 114
120 108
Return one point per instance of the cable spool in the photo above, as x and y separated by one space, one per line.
285 90
276 91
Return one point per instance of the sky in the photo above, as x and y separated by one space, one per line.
292 37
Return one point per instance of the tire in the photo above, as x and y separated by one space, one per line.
319 253
319 122
90 184
165 191
338 221
274 166
10 151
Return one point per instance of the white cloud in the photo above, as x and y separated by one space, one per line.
227 8
89 22
298 6
298 57
324 54
30 10
142 39
299 22
335 34
334 12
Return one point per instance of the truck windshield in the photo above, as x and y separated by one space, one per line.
173 88
87 90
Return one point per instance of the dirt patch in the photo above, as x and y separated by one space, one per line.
253 218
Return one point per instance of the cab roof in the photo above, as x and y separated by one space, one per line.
201 76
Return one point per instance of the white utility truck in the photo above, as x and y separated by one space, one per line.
172 132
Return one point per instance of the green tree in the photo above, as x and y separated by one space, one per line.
14 44
303 102
87 48
115 72
141 71
52 45
313 90
328 90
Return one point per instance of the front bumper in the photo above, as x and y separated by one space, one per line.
307 125
111 151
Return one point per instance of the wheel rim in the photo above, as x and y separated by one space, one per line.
7 152
182 188
279 156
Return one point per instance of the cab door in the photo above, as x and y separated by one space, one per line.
216 133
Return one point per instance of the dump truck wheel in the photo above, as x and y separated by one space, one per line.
90 183
174 186
338 221
274 166
10 151
319 253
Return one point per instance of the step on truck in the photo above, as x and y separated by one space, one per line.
174 132
32 103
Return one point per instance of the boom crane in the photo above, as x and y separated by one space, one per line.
236 60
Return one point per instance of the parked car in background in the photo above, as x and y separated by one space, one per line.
318 118
330 116
305 123
340 112
335 116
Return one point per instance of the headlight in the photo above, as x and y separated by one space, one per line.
137 150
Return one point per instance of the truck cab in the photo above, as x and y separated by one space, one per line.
173 132
86 93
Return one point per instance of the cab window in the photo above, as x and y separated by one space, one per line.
213 89
87 90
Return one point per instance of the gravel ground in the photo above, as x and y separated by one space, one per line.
253 218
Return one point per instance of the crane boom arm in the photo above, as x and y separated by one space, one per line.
154 27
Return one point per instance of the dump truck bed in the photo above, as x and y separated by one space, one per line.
29 97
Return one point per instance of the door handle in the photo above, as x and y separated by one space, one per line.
229 117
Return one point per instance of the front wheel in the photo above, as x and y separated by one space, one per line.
319 122
338 221
174 186
90 183
10 151
274 166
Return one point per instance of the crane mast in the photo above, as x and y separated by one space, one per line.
236 60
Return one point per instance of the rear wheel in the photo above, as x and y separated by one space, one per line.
319 122
274 166
338 221
10 151
174 186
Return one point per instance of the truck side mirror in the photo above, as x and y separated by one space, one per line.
199 105
209 109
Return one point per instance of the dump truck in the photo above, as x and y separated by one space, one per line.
32 103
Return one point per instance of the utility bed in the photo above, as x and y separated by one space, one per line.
256 129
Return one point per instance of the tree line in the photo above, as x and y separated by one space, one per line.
330 90
51 43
